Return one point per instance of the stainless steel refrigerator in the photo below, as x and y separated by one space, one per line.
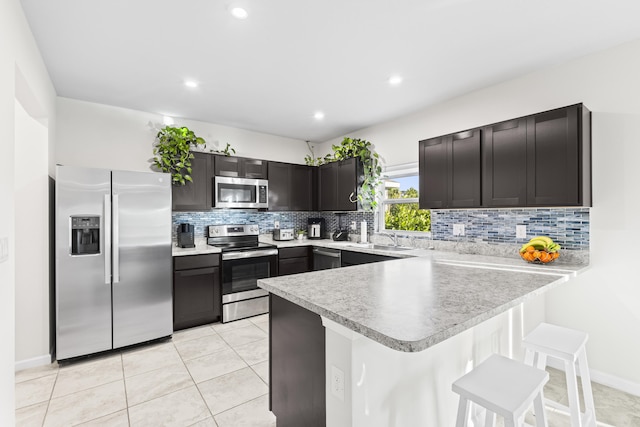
113 259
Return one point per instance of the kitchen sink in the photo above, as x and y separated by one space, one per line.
385 247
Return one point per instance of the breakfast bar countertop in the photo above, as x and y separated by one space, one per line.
411 304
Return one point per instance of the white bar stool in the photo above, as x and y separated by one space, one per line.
567 345
505 387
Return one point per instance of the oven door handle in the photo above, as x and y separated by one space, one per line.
248 254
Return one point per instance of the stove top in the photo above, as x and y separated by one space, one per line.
236 237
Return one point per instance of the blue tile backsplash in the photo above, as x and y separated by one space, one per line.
265 220
567 226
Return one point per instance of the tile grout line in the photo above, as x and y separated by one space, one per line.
196 385
46 412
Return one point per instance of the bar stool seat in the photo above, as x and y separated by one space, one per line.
504 387
569 346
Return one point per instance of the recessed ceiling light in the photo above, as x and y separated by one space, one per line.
318 115
168 121
395 80
239 12
191 83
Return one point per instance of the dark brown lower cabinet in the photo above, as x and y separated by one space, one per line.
296 365
348 258
294 260
197 291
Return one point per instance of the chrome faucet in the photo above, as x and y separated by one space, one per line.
393 236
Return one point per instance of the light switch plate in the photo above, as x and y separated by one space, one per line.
276 224
521 231
458 229
4 249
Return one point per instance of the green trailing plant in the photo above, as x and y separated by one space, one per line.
312 160
226 150
370 160
172 152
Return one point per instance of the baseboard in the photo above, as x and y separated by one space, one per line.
45 359
603 378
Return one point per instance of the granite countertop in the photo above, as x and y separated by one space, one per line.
414 303
200 249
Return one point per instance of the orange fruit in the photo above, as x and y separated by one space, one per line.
536 254
545 257
556 255
530 249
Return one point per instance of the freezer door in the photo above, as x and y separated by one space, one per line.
142 261
83 281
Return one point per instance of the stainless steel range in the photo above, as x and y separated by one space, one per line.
244 262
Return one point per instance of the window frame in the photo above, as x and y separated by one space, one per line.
397 171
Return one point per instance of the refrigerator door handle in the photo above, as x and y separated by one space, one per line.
116 240
107 239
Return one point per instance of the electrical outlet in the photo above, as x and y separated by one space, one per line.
458 229
337 383
276 224
521 231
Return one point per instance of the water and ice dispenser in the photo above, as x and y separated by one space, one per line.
85 235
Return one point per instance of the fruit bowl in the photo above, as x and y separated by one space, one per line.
540 250
539 256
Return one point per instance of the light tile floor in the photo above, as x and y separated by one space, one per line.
209 376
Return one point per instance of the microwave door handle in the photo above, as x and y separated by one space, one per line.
116 239
107 239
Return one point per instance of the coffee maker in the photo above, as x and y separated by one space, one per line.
185 236
315 228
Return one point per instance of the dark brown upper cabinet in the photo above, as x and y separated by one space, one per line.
504 164
291 187
338 184
450 171
196 195
538 160
240 167
559 157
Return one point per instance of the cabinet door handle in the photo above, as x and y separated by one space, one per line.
196 272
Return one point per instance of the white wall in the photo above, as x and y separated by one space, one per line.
96 135
21 68
31 260
606 301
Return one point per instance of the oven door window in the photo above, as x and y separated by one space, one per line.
243 274
236 193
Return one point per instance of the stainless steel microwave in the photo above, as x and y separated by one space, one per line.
240 193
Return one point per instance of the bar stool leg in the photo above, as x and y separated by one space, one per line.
490 419
538 406
585 379
572 389
463 412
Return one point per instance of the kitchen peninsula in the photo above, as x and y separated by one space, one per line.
380 344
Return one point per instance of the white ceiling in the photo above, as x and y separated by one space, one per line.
290 58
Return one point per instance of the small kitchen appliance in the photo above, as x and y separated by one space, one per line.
316 228
342 233
185 236
242 193
283 234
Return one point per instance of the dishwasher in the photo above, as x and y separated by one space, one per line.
325 258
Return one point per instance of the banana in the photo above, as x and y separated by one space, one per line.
538 242
547 239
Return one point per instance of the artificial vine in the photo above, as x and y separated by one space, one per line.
372 170
173 152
